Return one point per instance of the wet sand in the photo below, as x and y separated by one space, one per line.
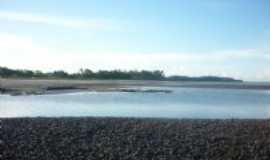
131 138
30 86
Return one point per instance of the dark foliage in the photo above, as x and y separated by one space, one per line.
103 74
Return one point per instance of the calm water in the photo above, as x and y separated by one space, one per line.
182 103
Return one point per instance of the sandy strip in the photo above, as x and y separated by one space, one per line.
21 86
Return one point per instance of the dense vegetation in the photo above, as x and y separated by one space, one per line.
103 74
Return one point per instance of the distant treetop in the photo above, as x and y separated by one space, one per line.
107 75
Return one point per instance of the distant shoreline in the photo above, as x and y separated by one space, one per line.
45 86
88 74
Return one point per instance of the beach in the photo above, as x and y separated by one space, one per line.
135 80
55 138
134 138
50 86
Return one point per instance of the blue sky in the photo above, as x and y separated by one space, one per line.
190 37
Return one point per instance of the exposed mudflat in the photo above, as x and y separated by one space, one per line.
130 138
39 86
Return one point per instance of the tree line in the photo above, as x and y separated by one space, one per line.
88 74
83 74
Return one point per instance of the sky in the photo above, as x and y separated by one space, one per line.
186 37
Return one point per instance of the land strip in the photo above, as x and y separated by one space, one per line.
44 86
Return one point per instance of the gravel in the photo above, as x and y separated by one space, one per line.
133 138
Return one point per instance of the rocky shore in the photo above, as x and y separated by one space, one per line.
131 138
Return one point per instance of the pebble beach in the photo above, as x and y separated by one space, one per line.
133 138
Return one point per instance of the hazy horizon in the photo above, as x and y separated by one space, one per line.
228 38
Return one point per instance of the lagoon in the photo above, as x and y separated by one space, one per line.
198 103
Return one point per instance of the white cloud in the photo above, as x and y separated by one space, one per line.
23 52
56 21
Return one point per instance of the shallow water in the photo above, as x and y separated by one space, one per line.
181 103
